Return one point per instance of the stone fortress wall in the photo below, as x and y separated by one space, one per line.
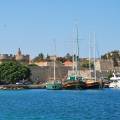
18 57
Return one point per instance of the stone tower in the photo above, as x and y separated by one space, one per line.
22 58
19 52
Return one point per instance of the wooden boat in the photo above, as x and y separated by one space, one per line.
92 84
74 82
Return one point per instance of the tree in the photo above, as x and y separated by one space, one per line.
68 57
109 75
12 72
40 57
48 58
60 59
85 64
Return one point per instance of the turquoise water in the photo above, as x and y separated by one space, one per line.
60 105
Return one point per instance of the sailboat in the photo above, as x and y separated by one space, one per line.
54 84
92 83
74 80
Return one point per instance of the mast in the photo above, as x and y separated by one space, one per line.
94 56
73 58
54 59
75 53
90 54
77 50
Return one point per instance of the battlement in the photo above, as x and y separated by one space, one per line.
18 57
6 57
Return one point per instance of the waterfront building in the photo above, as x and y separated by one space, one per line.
68 63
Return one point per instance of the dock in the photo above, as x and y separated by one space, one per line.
20 87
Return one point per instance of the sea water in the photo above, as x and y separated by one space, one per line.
60 104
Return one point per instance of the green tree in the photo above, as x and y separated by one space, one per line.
48 58
12 72
40 57
68 57
109 75
85 64
61 59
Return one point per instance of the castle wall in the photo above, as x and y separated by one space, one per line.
104 65
22 58
4 57
18 57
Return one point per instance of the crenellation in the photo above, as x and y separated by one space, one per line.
18 57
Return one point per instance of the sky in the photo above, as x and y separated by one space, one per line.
33 25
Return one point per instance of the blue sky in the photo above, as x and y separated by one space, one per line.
32 25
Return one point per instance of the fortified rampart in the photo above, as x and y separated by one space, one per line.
104 65
18 57
43 74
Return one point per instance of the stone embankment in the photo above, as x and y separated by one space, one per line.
19 87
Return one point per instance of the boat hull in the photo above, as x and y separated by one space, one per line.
70 85
54 86
81 85
91 84
114 84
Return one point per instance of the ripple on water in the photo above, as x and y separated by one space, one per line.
60 105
